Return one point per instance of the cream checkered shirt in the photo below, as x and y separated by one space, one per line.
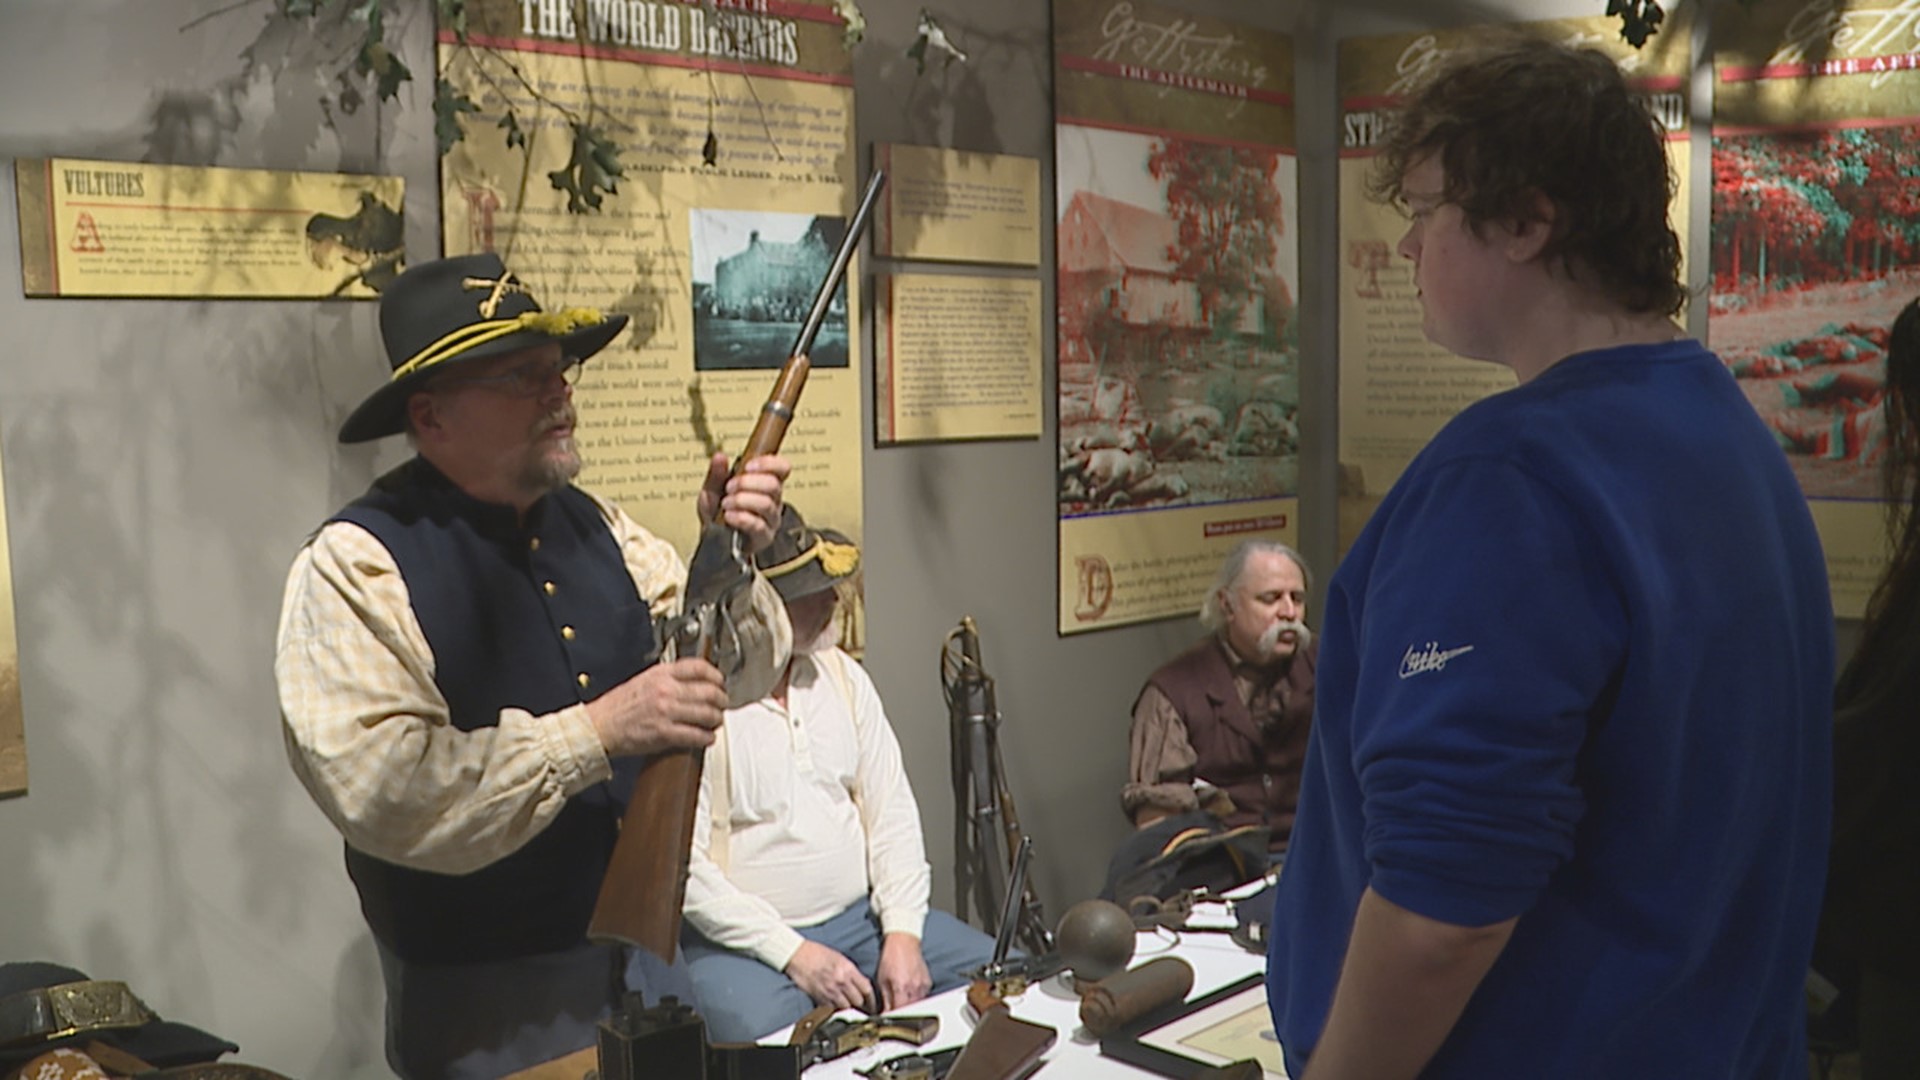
368 731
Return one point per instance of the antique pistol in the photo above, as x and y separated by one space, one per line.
1011 978
934 1066
1003 977
1003 1046
822 1037
670 1040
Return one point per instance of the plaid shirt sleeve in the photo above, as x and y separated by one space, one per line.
368 731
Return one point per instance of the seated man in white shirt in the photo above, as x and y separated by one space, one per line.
809 881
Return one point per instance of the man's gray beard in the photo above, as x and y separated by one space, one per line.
827 638
1270 640
553 471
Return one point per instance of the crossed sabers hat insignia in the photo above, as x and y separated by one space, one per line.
496 291
427 318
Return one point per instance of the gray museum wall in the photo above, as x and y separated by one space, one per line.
164 459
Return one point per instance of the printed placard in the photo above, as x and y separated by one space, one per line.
957 206
132 229
1178 269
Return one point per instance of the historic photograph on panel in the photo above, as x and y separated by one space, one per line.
755 274
1815 237
1179 354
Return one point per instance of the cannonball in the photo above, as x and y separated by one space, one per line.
1095 939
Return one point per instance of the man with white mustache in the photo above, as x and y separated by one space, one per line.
809 882
1223 726
467 675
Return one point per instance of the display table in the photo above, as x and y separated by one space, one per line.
1217 962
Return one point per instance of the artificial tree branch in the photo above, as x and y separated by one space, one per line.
593 168
1639 19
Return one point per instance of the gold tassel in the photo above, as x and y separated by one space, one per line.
562 322
838 560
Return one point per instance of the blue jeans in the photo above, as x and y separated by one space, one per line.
742 999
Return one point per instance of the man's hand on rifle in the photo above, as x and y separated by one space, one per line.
669 706
830 978
902 974
749 502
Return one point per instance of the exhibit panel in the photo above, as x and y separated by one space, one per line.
1816 228
1178 270
732 130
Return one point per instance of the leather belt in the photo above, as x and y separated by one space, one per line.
56 1012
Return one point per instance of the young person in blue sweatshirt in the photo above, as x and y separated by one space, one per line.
1566 801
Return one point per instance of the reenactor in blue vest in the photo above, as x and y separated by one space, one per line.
467 674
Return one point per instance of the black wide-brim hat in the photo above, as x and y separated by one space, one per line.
802 560
162 1043
460 310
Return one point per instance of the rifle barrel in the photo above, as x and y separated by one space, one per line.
771 426
803 343
646 878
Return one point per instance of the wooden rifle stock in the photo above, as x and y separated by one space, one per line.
646 883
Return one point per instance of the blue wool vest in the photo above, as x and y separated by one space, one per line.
536 616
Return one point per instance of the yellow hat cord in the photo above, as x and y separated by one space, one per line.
473 335
838 560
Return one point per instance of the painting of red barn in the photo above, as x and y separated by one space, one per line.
1178 352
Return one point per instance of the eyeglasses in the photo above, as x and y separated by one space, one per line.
525 380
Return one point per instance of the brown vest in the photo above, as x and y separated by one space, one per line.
1254 759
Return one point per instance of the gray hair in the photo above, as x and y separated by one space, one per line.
1211 616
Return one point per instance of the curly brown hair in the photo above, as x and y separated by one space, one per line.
1521 116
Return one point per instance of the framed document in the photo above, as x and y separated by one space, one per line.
957 205
1231 1024
956 357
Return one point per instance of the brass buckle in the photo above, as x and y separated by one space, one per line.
89 1006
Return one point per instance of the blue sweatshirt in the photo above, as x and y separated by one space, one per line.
1578 669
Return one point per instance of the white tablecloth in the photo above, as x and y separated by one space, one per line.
1216 961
